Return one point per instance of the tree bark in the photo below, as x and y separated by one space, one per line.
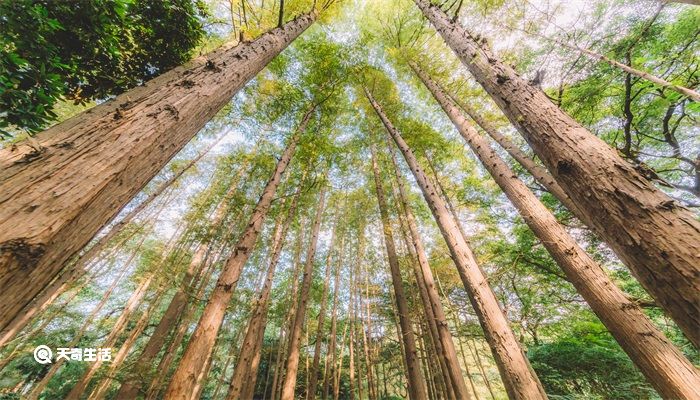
292 364
54 200
541 175
416 382
202 342
135 379
671 374
313 373
518 377
244 375
425 276
330 372
655 237
287 327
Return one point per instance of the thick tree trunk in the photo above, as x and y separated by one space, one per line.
519 378
202 342
292 363
416 382
54 200
671 374
425 276
244 375
655 237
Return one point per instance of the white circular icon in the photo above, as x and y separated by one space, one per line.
43 354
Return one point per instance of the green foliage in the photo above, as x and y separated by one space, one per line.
86 50
586 363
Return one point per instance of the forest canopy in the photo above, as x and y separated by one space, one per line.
350 199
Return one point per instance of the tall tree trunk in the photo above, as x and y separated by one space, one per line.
313 373
541 175
202 342
243 374
287 327
42 226
425 276
655 237
330 372
135 379
518 377
292 364
671 374
416 382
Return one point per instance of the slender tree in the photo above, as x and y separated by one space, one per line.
416 382
244 375
292 362
655 237
201 344
425 276
321 319
518 377
178 303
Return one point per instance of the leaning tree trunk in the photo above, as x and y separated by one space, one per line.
56 196
690 93
321 320
655 237
201 345
518 377
292 363
134 380
444 337
77 269
416 382
243 370
671 374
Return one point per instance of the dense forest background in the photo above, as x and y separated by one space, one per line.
338 226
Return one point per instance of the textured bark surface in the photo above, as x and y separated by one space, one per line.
292 362
671 374
416 382
518 377
77 269
427 284
658 239
53 201
199 349
245 371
